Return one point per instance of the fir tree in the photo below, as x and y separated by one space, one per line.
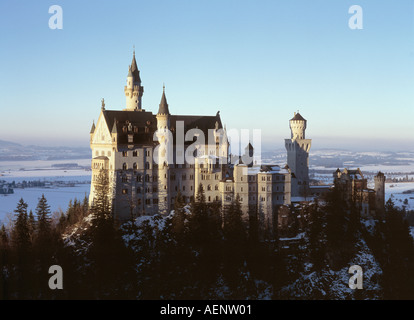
44 222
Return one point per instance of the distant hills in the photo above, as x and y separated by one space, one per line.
11 151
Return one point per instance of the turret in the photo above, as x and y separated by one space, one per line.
379 181
165 154
297 148
92 130
297 126
163 115
133 89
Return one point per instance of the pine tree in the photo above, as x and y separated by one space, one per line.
32 226
22 245
44 222
21 236
4 263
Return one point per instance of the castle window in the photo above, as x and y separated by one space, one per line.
241 189
124 166
135 165
135 153
209 187
125 153
268 178
191 177
216 187
147 201
139 178
184 177
209 198
154 189
124 179
147 165
147 178
241 178
263 189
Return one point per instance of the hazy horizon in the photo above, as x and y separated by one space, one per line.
318 143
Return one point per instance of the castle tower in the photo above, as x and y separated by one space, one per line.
165 151
379 187
133 89
297 148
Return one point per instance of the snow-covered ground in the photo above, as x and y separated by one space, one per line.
57 197
395 191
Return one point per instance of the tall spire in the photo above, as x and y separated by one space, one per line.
134 69
163 109
133 90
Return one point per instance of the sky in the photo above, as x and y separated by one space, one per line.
257 62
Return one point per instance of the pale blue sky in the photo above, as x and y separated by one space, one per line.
255 61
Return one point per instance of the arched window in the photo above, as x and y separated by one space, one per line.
124 166
135 165
216 187
147 178
209 187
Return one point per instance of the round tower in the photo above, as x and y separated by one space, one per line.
297 148
379 181
165 154
297 126
133 90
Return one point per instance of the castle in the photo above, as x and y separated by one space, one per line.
353 187
143 154
152 158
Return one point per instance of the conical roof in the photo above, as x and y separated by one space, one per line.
163 109
134 69
93 127
297 116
